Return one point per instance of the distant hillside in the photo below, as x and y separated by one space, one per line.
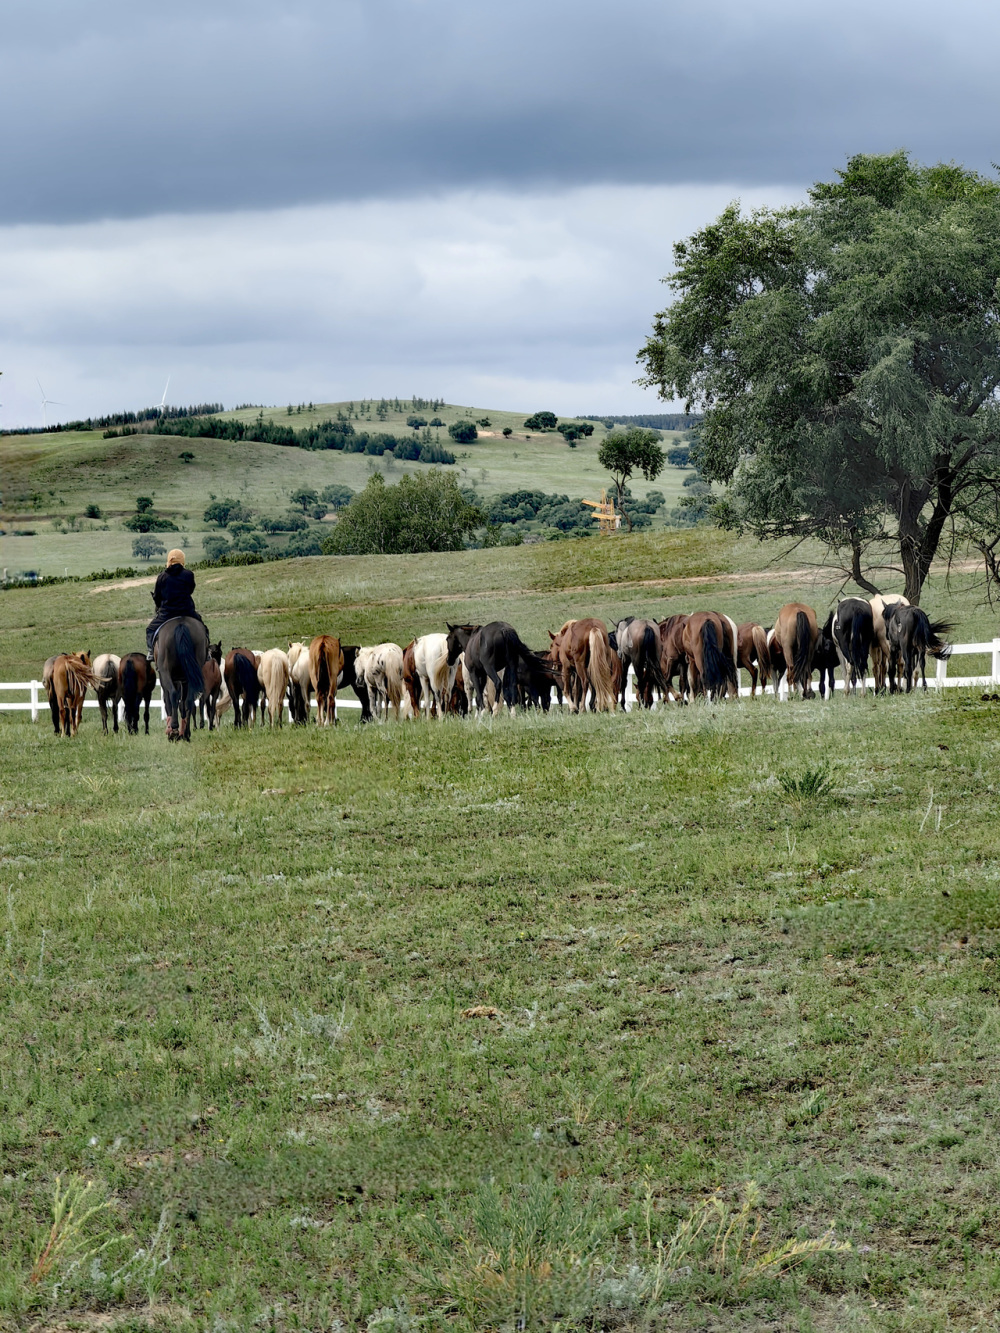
653 421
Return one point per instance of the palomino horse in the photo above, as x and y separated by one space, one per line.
326 666
214 684
796 631
435 671
108 687
752 654
638 647
707 640
240 672
672 656
911 637
66 678
880 643
851 627
382 668
299 686
181 647
587 663
272 672
138 680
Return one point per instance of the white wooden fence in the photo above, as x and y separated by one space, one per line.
36 700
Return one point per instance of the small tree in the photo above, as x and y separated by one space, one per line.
463 432
305 497
147 548
187 456
215 546
507 432
93 511
337 495
542 421
626 452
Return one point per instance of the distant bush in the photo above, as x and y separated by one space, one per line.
463 432
575 430
224 512
304 543
420 513
436 421
679 456
282 523
93 511
435 453
148 548
145 519
215 546
337 496
541 421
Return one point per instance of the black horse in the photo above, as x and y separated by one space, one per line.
495 653
826 659
911 637
181 649
350 678
852 629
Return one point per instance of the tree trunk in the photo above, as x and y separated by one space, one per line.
918 548
856 573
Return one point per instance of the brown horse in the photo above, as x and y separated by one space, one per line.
638 643
209 701
797 631
240 673
707 642
411 679
66 678
326 665
753 655
586 662
672 656
137 681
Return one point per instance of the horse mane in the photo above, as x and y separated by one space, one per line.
601 672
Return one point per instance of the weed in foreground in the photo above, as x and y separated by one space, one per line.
811 786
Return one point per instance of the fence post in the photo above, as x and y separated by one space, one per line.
163 706
941 674
34 699
996 661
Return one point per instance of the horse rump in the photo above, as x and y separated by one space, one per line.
718 669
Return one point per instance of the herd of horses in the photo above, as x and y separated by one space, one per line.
474 668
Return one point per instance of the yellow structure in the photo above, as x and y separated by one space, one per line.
604 512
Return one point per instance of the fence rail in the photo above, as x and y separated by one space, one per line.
941 680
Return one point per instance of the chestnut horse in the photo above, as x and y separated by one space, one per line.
212 672
797 632
752 654
587 663
672 656
326 665
66 678
707 640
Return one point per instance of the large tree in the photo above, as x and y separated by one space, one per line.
426 513
625 452
846 355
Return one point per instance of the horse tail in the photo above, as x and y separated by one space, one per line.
188 662
130 688
801 654
600 672
759 637
862 631
393 667
716 669
651 652
930 632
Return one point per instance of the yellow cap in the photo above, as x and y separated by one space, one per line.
175 557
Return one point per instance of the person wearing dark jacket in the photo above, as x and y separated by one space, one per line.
171 596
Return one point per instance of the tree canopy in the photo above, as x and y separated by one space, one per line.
626 452
846 354
420 513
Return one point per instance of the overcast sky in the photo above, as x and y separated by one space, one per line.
325 200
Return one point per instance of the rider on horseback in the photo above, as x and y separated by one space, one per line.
171 596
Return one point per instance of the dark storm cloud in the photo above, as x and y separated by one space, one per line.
115 109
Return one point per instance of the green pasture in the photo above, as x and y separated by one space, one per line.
553 1022
48 480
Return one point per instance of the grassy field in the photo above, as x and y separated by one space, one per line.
48 480
563 1022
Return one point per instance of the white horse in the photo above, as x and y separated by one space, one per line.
382 667
106 669
273 672
299 684
437 677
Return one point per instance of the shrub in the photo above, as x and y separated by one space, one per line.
337 496
463 432
224 512
215 546
304 543
93 511
507 432
541 421
420 513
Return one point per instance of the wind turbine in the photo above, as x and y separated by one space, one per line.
163 401
46 402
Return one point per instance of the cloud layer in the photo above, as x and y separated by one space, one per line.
490 298
125 110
